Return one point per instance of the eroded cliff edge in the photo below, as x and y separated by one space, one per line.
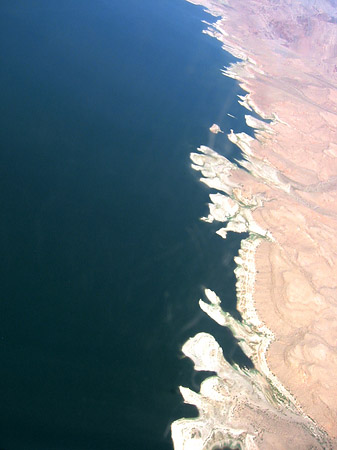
284 195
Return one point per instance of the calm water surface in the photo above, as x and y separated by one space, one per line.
103 255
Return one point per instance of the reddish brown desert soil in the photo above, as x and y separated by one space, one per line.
290 71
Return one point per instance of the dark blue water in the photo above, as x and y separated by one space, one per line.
103 257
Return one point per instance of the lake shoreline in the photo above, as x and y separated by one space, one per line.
288 295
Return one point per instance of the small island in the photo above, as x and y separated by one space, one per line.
215 129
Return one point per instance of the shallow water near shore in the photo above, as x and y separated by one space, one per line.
103 254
